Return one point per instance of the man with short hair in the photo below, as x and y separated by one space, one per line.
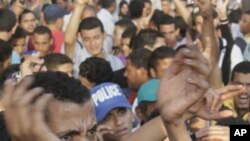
136 68
42 41
170 31
94 71
149 39
69 110
113 111
92 35
53 15
7 25
59 62
240 104
159 61
105 15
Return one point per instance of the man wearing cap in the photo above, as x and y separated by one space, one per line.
146 99
113 111
53 16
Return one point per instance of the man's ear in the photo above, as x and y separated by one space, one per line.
104 35
51 41
177 31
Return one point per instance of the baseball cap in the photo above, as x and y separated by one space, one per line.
106 97
53 12
148 91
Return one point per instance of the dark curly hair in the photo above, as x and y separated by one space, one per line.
96 70
61 86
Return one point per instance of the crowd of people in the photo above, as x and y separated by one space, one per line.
123 70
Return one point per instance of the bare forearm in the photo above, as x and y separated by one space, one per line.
208 31
72 29
182 10
154 131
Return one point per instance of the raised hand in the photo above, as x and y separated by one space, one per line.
23 106
31 65
222 9
183 84
205 7
208 108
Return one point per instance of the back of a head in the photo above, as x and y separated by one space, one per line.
43 30
139 57
61 86
157 17
54 60
160 54
8 20
145 37
19 34
91 23
242 67
96 70
136 8
125 23
129 33
107 3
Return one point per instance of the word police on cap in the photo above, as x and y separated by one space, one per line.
106 93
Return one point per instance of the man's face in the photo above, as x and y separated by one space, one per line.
93 40
170 34
242 101
117 36
28 23
162 66
42 43
136 76
166 6
66 68
245 24
120 120
71 121
19 45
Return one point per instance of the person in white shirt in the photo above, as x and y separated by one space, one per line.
106 16
91 34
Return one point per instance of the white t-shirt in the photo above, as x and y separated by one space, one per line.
81 54
108 21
